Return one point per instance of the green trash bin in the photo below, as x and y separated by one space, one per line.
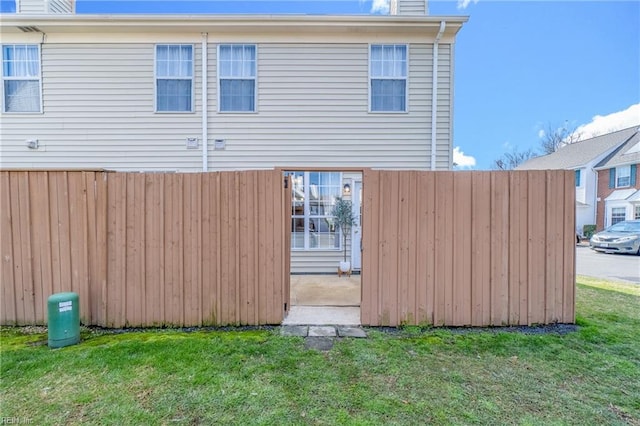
64 319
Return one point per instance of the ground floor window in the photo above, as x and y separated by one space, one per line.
637 212
314 195
618 214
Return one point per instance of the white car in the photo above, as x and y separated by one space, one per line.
623 237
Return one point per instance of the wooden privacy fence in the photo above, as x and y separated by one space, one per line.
468 248
146 249
441 248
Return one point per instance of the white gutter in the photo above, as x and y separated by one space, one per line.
434 97
205 106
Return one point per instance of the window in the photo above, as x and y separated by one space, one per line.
636 214
388 78
21 78
623 176
618 214
237 78
314 195
174 78
578 177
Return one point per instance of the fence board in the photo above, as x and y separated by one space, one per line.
78 241
8 314
462 205
41 241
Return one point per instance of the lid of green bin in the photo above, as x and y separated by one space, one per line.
63 296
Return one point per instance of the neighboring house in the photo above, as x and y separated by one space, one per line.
619 184
322 96
584 157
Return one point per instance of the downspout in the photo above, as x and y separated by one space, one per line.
205 106
434 96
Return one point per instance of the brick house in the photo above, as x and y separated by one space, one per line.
618 195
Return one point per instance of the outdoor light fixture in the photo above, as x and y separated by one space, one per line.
346 189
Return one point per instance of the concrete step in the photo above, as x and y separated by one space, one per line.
326 331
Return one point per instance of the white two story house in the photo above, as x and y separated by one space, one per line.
319 95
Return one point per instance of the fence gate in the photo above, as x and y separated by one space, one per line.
145 249
468 248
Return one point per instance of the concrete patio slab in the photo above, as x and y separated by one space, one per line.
294 330
323 315
322 331
319 343
325 290
356 332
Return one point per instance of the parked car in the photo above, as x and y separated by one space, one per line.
623 237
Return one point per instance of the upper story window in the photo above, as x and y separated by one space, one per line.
237 78
578 182
388 78
623 176
21 78
174 78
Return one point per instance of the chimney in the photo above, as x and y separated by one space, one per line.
45 7
408 7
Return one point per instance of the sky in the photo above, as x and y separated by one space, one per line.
521 67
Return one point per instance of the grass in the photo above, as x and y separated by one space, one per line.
418 376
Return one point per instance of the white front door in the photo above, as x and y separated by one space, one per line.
356 230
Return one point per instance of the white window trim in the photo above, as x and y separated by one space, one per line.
617 204
40 101
617 176
406 78
307 219
156 78
255 79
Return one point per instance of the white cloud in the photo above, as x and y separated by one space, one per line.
380 6
462 4
461 160
602 124
541 133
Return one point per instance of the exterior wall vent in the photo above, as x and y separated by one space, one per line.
30 29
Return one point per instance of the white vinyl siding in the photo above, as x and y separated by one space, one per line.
174 78
99 112
237 64
30 6
21 78
330 126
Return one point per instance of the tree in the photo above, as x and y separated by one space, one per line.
555 136
511 160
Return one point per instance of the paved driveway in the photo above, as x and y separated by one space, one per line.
615 267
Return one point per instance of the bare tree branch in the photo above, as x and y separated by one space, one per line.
558 136
511 160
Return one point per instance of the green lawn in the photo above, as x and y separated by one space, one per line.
590 376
